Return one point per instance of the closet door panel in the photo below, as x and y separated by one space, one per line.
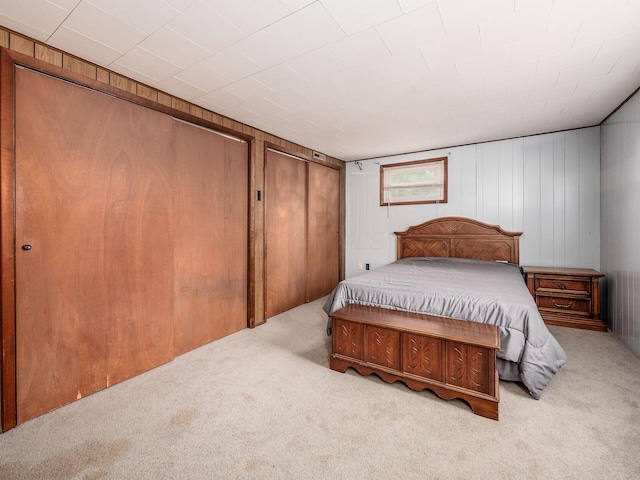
93 201
286 251
324 231
138 240
211 236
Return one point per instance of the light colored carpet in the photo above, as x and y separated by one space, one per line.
263 404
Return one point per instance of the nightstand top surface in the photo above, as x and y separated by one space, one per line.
582 272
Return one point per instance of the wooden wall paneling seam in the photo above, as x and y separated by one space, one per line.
306 232
265 246
8 410
251 218
258 215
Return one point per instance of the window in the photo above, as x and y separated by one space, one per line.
422 181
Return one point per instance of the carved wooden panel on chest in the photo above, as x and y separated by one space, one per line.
423 356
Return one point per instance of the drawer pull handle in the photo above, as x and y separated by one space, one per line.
562 285
558 305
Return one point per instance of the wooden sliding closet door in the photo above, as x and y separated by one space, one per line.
211 236
94 182
285 232
302 231
323 272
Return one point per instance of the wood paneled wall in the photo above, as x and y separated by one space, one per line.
547 186
32 48
620 147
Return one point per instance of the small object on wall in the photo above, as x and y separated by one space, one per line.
319 156
358 169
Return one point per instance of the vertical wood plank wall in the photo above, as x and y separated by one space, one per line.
620 146
32 48
547 186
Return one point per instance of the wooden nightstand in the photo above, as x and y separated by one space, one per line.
567 296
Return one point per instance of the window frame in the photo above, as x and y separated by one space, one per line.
399 166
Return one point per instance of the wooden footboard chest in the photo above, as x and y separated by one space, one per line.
452 358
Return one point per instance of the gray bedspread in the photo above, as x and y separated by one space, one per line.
476 290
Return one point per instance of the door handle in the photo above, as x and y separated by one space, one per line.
559 305
26 247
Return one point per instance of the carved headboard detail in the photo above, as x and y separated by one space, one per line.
459 237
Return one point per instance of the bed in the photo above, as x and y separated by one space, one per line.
463 269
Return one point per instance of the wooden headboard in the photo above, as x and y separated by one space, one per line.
460 238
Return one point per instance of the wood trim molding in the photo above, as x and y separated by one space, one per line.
251 257
8 400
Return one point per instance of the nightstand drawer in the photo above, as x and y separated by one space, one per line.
564 305
562 284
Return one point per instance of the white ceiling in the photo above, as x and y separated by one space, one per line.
358 79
